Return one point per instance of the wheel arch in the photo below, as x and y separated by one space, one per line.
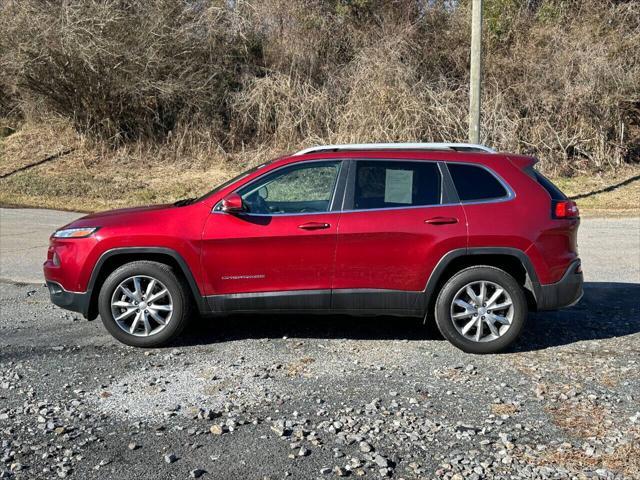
511 260
114 258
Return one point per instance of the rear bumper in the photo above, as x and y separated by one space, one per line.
564 293
74 301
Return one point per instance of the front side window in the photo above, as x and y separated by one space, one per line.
475 183
395 184
306 188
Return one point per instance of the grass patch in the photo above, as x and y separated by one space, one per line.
622 200
69 183
580 419
299 367
92 178
624 459
71 186
504 409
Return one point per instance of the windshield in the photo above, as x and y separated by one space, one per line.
232 180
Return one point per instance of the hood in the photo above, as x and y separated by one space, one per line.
114 217
125 211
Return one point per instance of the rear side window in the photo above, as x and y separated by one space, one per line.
391 184
475 183
554 192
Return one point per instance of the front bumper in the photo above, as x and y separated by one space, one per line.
564 293
74 301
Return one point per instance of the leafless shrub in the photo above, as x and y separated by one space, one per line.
566 87
183 80
282 110
386 99
125 70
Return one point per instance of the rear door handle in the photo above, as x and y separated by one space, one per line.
314 226
441 220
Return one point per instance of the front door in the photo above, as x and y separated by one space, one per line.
397 224
279 253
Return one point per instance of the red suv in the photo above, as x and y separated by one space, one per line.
455 232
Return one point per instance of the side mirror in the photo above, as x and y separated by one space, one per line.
232 203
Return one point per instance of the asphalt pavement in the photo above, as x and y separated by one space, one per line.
609 247
24 236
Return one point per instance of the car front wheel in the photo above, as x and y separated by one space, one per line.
144 304
481 309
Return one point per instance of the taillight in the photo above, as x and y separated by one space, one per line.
565 209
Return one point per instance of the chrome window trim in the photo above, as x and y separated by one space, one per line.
393 160
412 207
510 192
243 214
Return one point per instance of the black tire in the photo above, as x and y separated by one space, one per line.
179 297
454 285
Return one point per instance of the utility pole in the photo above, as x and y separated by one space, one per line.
476 71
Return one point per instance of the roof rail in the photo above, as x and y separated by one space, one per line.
458 147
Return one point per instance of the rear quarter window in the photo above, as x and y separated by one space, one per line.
475 183
554 192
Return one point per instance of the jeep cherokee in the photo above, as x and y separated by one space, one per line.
457 233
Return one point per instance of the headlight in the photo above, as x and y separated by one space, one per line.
74 232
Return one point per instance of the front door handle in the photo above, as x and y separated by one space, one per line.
441 220
314 226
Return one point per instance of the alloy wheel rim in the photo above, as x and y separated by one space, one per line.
141 306
482 311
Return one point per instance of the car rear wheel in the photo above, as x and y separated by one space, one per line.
481 309
144 304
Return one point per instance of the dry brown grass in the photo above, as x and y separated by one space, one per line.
622 200
33 142
299 367
571 458
504 409
93 177
624 459
568 374
581 419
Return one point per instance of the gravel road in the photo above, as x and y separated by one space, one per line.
323 397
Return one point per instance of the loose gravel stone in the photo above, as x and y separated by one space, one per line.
217 429
170 458
365 447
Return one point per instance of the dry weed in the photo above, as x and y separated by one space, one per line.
580 419
504 409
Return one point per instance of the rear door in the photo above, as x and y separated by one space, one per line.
397 223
